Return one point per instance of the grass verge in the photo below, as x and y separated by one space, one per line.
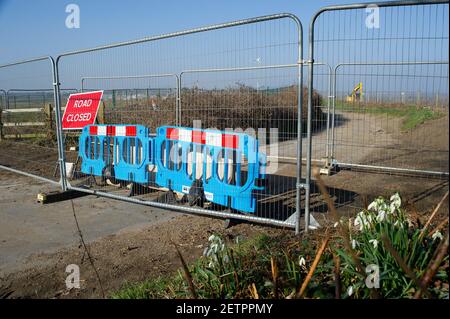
387 249
412 115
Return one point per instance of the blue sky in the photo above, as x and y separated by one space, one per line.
35 28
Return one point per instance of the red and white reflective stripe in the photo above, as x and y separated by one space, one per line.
101 130
206 138
113 130
93 130
214 139
185 135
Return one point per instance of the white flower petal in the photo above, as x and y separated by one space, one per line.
373 206
436 235
350 291
374 242
381 215
302 262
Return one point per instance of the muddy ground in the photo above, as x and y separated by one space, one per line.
124 253
124 257
426 147
128 243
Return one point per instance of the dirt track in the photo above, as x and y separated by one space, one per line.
127 256
128 242
426 147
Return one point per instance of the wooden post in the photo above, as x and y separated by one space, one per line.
101 113
113 98
1 125
48 109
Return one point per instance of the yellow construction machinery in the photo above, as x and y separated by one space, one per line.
356 93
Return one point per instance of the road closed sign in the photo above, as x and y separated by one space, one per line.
81 110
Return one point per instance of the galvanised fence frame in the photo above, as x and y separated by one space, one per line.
299 185
60 145
331 101
311 59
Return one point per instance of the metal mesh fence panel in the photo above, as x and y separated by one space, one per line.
246 80
28 129
389 114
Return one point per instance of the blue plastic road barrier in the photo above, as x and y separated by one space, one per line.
228 164
123 150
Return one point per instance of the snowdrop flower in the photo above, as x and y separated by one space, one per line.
381 216
437 234
383 207
362 220
396 201
374 242
373 206
358 222
379 205
302 262
336 224
354 243
350 291
392 209
216 245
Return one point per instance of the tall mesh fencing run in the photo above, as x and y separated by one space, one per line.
390 100
31 98
229 100
28 140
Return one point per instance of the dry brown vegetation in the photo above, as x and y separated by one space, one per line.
242 107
